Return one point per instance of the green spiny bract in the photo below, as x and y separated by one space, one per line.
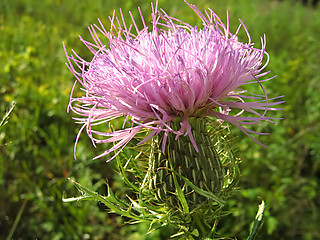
189 181
204 168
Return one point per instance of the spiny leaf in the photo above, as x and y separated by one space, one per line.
110 201
77 198
257 222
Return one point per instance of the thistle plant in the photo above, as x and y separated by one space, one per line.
176 87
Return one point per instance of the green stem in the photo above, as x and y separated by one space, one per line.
17 220
200 226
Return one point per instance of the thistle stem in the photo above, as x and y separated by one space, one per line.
204 231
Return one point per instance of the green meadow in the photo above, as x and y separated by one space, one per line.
37 143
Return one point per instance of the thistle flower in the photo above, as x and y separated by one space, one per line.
167 73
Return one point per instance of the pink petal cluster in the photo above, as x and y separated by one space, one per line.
167 72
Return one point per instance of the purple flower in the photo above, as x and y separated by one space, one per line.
169 72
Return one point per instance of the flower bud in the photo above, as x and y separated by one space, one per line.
203 168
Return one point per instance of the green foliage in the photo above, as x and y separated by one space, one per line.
36 145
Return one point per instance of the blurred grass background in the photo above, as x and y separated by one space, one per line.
36 146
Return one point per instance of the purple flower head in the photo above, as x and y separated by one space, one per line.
169 72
